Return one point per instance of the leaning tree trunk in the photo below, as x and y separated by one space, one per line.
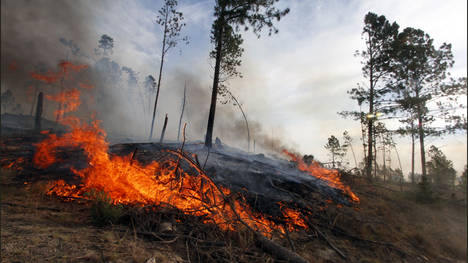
245 119
163 51
163 132
182 112
214 94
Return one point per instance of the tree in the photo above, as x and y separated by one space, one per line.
172 22
230 17
440 170
335 149
420 70
348 142
106 44
412 131
463 179
379 35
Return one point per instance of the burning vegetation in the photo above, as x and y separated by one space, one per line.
206 202
178 182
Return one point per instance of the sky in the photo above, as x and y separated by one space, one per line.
293 84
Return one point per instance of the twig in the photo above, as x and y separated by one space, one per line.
328 241
267 245
181 150
289 239
133 155
188 253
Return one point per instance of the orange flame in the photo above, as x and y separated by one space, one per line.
332 177
126 181
52 77
70 101
129 182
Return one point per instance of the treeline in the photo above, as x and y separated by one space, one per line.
408 82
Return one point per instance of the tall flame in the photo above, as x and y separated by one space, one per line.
331 176
127 181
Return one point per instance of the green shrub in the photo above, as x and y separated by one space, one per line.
103 210
424 193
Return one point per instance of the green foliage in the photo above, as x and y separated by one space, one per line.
425 193
172 22
440 170
106 44
308 158
337 151
103 210
463 181
231 17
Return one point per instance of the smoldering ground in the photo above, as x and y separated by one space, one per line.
36 37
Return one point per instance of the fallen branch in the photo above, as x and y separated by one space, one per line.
263 243
322 235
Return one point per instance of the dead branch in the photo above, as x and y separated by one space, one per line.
163 130
263 243
322 235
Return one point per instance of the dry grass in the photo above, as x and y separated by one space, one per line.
36 228
388 226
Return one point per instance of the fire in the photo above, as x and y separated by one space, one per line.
332 177
52 77
15 164
127 181
70 101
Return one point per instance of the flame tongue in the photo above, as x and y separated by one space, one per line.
129 182
330 176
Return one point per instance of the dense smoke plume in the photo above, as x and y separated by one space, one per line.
37 37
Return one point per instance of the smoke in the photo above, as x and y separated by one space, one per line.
36 37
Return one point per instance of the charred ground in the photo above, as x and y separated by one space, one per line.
388 225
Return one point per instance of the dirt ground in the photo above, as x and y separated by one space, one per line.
388 226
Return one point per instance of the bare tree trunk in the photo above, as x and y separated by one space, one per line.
37 123
363 136
333 160
163 52
401 169
182 112
384 167
375 156
214 94
245 119
354 156
421 144
34 99
61 101
370 120
163 130
412 152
